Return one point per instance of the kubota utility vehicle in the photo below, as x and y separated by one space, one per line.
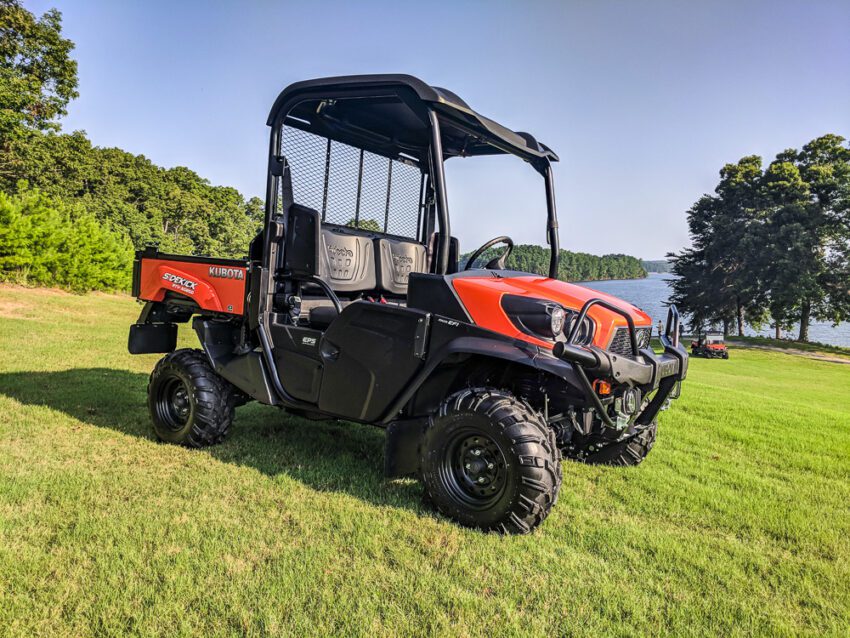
710 346
351 305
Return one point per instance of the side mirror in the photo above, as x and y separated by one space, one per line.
301 247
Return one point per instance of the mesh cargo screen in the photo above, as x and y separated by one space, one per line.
351 187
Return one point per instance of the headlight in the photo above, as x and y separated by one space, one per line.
631 401
558 318
545 319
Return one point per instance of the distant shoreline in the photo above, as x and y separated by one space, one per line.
586 281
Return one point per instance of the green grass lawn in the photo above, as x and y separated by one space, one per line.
738 523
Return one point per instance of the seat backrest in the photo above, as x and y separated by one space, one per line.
396 259
347 260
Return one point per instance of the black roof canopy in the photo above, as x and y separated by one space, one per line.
387 114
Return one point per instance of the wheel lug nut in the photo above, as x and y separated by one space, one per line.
489 466
481 480
476 452
468 466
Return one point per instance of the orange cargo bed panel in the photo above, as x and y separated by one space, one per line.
214 287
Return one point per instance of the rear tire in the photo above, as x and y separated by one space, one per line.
631 451
489 461
189 403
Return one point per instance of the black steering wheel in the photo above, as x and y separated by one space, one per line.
494 264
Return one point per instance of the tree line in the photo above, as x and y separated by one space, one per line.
571 266
51 180
772 244
575 266
656 265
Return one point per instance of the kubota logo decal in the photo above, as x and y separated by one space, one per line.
227 273
340 251
186 284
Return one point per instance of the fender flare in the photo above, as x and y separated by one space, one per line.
512 351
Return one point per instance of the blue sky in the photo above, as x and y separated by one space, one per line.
643 101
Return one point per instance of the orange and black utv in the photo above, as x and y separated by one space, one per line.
351 305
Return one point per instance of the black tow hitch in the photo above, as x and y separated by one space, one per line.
644 368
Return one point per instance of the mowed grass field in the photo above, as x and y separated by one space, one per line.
738 523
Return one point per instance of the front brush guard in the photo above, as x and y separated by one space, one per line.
644 368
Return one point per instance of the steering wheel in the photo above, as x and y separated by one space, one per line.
494 264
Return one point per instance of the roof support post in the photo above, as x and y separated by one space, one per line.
552 222
438 176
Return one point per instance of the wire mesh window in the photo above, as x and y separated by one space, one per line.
352 187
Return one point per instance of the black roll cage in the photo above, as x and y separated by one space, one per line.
437 108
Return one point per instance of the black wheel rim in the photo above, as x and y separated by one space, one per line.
174 404
474 470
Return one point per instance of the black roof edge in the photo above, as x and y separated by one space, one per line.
443 100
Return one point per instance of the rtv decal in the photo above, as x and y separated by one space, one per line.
185 285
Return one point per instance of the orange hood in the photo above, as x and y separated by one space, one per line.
482 295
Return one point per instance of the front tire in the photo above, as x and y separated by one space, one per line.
489 461
189 403
631 451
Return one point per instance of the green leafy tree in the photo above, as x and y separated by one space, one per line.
38 77
45 242
773 242
702 290
806 193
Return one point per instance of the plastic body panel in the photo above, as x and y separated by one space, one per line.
296 353
216 285
481 293
369 355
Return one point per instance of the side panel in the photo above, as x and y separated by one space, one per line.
214 287
370 355
296 354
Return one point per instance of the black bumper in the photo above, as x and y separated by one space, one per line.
645 369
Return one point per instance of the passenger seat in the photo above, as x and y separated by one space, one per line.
347 261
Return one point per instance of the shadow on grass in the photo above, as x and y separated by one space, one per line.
325 455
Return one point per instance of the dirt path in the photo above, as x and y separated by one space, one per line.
820 356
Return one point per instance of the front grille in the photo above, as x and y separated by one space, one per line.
621 344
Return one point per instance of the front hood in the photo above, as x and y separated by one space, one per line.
481 293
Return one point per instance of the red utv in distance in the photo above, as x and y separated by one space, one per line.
710 346
351 305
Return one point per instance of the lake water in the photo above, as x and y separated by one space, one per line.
651 294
